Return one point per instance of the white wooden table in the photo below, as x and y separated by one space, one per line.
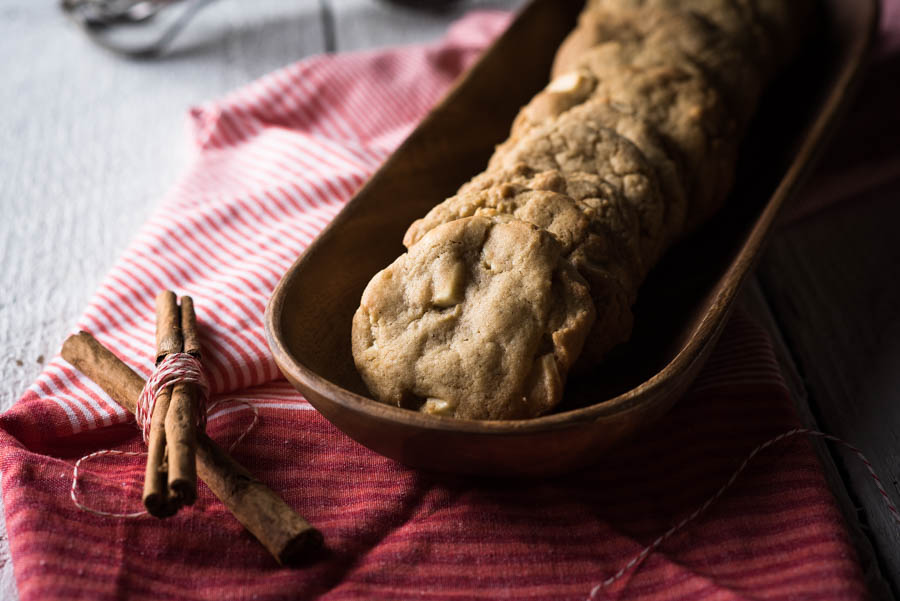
89 143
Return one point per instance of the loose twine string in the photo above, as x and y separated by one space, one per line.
177 368
642 555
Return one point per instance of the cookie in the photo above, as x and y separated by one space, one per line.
576 142
682 106
587 241
734 17
672 175
609 216
549 210
616 221
478 320
725 59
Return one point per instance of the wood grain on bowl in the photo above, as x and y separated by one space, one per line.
681 310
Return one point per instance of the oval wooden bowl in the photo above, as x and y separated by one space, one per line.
682 308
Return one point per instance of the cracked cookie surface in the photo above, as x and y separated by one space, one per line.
549 210
669 171
576 143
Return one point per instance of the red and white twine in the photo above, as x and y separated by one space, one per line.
177 368
646 551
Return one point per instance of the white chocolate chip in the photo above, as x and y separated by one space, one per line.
437 407
449 281
566 83
560 95
577 84
544 386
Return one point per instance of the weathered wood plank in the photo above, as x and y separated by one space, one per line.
367 24
833 284
754 300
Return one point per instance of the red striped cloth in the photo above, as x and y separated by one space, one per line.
275 162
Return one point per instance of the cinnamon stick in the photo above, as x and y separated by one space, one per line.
156 497
286 535
181 444
168 325
169 340
190 333
181 418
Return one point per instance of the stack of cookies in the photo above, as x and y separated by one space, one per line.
532 268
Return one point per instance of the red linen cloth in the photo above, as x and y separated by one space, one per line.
276 161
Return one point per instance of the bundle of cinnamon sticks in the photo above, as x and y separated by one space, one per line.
178 451
170 480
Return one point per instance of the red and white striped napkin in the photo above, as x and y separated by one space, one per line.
276 161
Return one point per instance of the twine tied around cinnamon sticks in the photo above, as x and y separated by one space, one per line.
181 451
175 369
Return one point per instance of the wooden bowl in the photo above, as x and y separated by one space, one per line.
682 308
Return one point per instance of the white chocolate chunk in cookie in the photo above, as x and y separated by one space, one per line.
570 83
544 385
448 283
561 94
438 407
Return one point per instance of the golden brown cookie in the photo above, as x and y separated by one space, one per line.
737 18
479 320
615 221
576 142
671 175
584 231
682 106
549 210
722 57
